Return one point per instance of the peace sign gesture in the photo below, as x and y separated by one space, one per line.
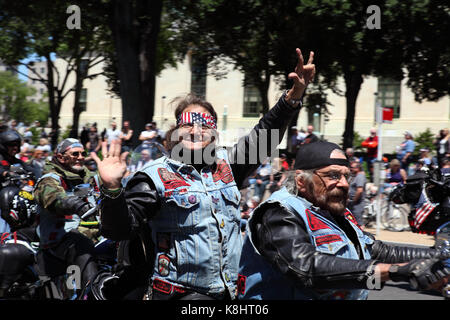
302 76
113 166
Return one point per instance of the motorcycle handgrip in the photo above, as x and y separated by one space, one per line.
89 212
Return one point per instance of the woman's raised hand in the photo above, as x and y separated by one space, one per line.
302 76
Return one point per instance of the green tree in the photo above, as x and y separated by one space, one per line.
351 49
412 42
39 29
250 38
339 31
15 103
243 34
421 27
357 140
424 140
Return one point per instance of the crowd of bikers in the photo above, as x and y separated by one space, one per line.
35 154
187 214
269 177
260 184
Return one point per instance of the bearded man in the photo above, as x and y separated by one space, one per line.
60 211
304 243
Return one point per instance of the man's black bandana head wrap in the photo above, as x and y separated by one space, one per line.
316 155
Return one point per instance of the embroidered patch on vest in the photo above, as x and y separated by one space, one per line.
241 283
168 193
329 238
166 287
162 286
314 222
223 172
171 180
352 219
163 265
339 295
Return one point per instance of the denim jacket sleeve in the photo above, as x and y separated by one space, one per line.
277 118
122 216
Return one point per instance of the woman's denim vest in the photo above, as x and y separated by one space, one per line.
259 280
196 233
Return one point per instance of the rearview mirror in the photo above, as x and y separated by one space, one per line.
442 235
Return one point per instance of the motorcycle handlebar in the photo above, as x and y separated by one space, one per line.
90 212
444 251
20 177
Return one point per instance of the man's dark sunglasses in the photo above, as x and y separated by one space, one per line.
76 154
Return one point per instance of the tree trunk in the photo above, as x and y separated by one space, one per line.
126 43
54 110
135 26
353 81
149 31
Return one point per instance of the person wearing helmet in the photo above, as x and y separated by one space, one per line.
10 142
60 210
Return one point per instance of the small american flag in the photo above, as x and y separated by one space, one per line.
424 208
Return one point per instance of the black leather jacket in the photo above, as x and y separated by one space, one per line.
123 216
281 237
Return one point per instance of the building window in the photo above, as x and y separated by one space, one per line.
83 99
252 102
389 95
315 117
198 76
41 91
84 63
42 69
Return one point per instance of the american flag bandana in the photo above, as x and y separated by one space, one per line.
201 118
67 144
424 208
